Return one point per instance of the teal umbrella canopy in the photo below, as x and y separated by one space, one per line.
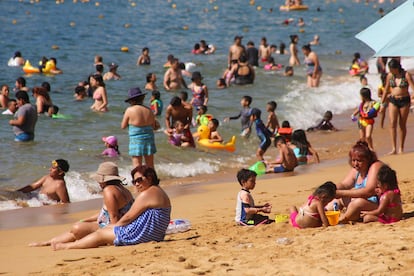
392 35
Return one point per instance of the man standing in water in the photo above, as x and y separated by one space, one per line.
25 118
173 78
177 111
236 50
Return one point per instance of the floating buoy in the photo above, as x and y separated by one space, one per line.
101 16
340 10
97 4
133 4
301 30
14 21
72 24
338 52
127 25
174 6
124 49
216 8
185 27
55 47
259 8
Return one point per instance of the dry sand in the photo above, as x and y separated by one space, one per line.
216 246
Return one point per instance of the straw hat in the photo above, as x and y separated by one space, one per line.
107 171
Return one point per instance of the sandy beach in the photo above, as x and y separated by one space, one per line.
216 246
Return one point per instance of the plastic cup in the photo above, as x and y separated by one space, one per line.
259 168
333 217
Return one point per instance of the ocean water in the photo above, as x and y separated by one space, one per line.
83 29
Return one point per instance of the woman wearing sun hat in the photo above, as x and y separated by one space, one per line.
117 200
141 123
146 221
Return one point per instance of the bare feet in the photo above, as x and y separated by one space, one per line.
392 152
38 244
58 246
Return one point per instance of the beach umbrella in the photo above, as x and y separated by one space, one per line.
392 35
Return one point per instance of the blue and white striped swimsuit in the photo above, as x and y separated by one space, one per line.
149 226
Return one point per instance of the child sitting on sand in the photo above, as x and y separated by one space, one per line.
390 206
312 213
176 136
246 210
287 160
111 144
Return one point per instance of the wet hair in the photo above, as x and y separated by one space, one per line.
170 57
17 54
271 60
394 64
242 58
285 124
54 60
41 91
328 115
293 38
203 42
80 89
196 46
183 95
23 96
362 149
55 109
273 105
175 101
387 176
147 172
365 93
149 76
248 99
222 82
156 94
203 108
307 47
99 79
215 122
145 49
299 140
99 68
181 65
280 139
21 81
46 85
282 47
327 189
244 174
288 68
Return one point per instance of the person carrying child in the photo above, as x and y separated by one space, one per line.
111 144
156 103
262 132
312 213
390 206
272 121
246 210
367 111
287 160
245 102
176 136
325 123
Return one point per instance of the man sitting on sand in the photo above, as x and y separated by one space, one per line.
53 185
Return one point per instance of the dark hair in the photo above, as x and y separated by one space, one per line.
23 96
271 60
203 107
21 81
222 82
328 115
362 77
170 57
273 105
80 89
175 101
280 139
17 54
46 85
242 58
148 172
183 95
99 79
299 140
99 68
328 188
383 78
256 112
361 147
196 46
248 99
288 68
215 122
282 47
285 124
149 76
394 64
41 91
145 49
387 176
365 93
307 47
156 94
181 65
251 43
292 38
244 174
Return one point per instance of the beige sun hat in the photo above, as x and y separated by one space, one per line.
107 171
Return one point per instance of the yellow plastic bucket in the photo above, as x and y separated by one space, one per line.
281 218
333 217
259 168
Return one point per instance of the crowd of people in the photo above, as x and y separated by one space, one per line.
124 221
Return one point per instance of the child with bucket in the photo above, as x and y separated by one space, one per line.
312 213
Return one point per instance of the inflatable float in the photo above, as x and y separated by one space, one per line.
50 68
203 141
294 8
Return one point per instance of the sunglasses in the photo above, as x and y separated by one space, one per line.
138 180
